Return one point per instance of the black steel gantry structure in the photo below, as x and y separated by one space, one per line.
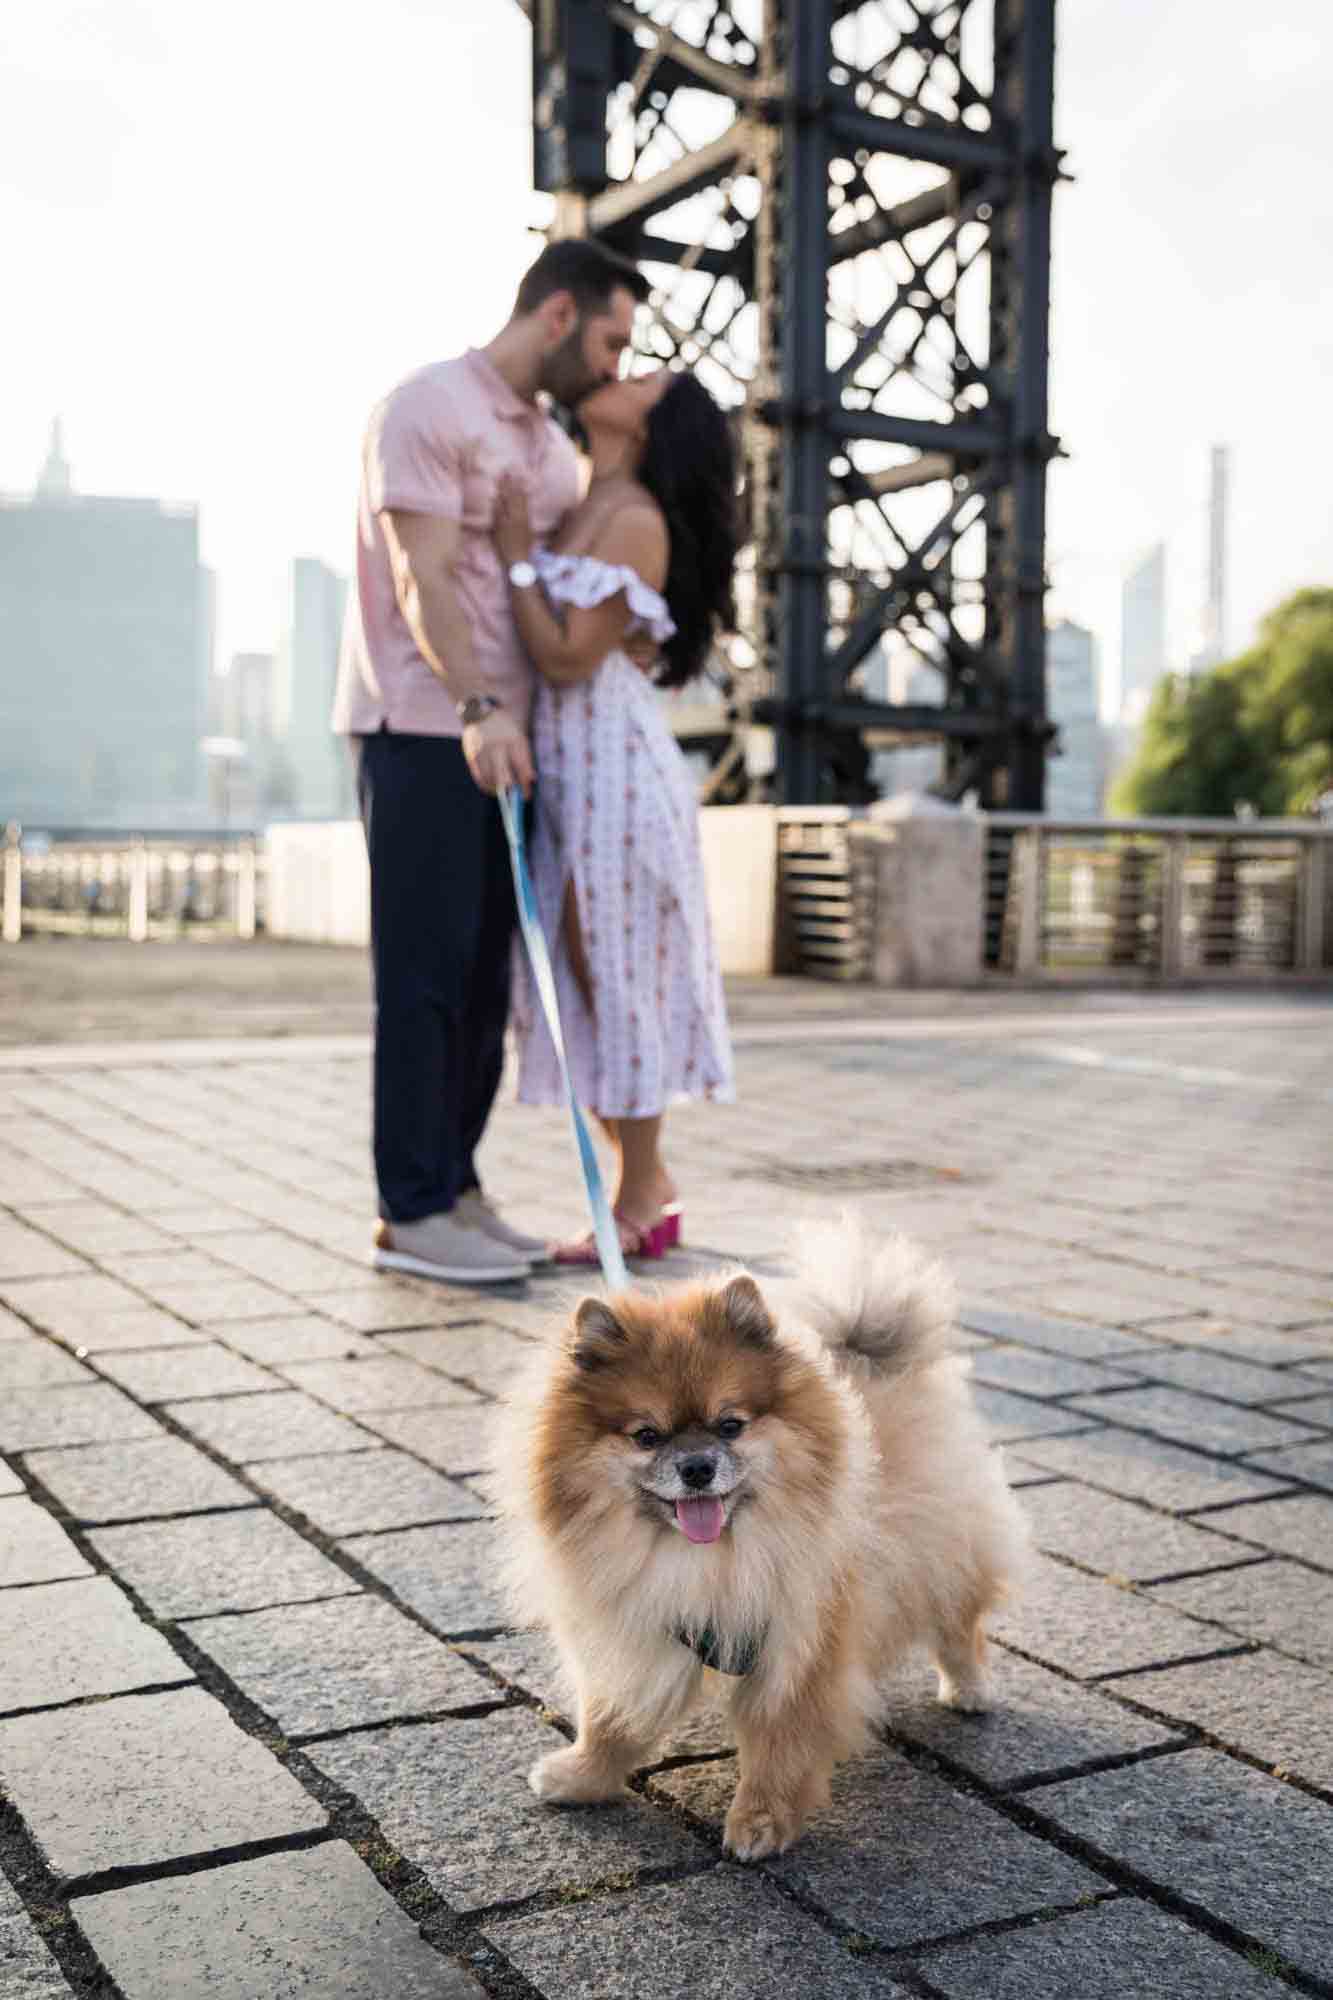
844 208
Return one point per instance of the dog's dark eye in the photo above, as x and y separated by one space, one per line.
647 1437
730 1427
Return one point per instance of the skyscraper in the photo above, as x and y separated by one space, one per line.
1213 637
1076 776
105 641
1142 633
316 773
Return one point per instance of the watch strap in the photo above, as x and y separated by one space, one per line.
477 707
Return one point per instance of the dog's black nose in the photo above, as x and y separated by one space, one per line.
697 1472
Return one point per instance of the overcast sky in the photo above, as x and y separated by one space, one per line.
229 227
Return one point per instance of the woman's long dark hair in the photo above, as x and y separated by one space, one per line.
689 467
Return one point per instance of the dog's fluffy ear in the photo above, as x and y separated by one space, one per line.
596 1338
742 1304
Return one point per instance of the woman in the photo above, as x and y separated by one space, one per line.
615 857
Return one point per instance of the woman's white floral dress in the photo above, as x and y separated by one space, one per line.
617 814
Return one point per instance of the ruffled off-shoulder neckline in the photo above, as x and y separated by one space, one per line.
586 581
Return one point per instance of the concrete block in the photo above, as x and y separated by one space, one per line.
1311 1464
1052 1336
1269 1708
727 1933
339 1665
1119 1538
872 1858
1243 1846
448 1575
1038 1374
134 1480
1040 1725
32 1418
1279 1603
1183 1418
287 1927
164 1373
453 1797
359 1492
1109 1953
1011 1418
1300 1526
484 1356
385 1382
34 1548
275 1343
146 1778
80 1638
1213 1374
1089 1628
451 1437
219 1562
280 1424
1142 1467
38 1364
739 846
929 865
30 1972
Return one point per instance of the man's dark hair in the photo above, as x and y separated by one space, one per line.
585 269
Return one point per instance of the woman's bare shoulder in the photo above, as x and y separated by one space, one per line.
634 532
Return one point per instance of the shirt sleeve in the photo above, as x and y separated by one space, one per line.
414 456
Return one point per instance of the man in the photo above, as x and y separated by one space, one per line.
433 692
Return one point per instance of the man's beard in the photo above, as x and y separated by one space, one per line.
567 379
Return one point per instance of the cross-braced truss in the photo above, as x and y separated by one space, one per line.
844 207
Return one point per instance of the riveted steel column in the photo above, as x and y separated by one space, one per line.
801 30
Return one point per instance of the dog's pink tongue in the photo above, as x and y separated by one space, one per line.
701 1519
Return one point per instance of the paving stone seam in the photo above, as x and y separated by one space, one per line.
1211 1507
1144 1378
1201 1735
1152 1667
95 1882
1196 1915
1016 1808
915 1958
1213 1457
900 1959
1245 1641
136 1159
26 1709
471 1711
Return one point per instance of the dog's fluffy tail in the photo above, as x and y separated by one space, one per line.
880 1304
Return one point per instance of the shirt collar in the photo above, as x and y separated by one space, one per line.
505 402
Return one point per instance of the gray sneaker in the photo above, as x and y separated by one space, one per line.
474 1209
443 1246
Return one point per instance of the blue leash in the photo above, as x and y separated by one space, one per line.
605 1233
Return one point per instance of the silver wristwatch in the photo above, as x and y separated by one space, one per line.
477 707
522 574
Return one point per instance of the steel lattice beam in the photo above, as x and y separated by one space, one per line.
845 208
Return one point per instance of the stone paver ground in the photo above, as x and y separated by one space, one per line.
262 1732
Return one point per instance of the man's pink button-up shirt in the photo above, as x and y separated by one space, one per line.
438 444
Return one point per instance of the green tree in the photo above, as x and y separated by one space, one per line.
1256 732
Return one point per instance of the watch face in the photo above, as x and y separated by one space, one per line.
522 574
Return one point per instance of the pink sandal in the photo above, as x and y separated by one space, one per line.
635 1241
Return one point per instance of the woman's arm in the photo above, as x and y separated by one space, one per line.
568 646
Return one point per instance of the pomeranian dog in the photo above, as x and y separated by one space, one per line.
793 1498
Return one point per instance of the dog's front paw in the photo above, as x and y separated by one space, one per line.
565 1778
970 1694
756 1827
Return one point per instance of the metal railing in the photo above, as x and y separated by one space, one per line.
826 908
1161 899
128 885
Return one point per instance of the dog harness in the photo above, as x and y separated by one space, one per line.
709 1648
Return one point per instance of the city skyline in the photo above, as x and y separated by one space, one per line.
184 386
